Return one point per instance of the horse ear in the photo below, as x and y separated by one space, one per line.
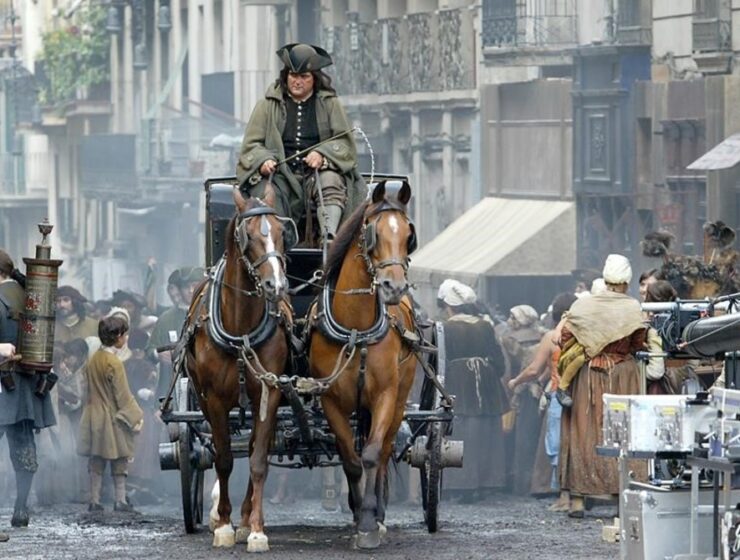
241 204
270 198
379 192
404 195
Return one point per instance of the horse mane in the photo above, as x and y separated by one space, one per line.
343 240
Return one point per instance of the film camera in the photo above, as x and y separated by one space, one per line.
697 329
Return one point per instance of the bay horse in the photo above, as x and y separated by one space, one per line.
242 304
365 304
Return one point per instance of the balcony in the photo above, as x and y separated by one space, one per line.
424 52
529 24
634 22
712 36
7 29
23 178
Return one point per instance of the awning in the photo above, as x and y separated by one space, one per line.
501 237
724 155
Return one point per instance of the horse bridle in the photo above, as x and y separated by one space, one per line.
241 237
369 237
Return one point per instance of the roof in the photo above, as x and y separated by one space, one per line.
724 155
502 237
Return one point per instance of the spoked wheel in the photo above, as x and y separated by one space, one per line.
191 482
431 476
191 476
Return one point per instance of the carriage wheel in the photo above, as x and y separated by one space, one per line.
191 482
431 476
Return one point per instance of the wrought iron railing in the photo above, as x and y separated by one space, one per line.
12 174
432 51
712 27
633 27
529 23
177 144
23 173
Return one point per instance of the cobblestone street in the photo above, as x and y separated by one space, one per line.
502 527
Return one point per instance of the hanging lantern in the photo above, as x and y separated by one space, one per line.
113 21
164 19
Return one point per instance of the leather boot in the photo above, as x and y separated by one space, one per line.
329 219
23 481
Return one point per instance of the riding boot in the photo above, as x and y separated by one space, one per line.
23 481
329 219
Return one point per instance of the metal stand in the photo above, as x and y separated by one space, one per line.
622 501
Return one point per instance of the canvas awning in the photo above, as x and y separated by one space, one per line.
501 237
724 155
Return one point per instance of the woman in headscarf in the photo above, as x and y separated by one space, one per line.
601 333
474 367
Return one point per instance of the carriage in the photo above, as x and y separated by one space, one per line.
302 436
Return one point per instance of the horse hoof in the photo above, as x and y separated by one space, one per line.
368 540
223 537
383 530
257 542
242 535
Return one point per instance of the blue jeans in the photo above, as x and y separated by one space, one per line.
552 437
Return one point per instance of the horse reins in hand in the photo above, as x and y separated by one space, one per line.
317 145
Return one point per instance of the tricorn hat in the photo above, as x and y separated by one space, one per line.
300 57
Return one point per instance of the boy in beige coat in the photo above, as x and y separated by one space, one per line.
111 417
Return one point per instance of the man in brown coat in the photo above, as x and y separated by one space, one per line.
72 320
111 417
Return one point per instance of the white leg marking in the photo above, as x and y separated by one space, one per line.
258 542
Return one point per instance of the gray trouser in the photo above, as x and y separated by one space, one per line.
22 444
333 188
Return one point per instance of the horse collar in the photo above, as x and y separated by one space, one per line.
332 330
224 340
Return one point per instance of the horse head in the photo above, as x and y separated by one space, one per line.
388 238
262 238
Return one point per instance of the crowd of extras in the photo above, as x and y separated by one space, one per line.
529 385
528 389
113 360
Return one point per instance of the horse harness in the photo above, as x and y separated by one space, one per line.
369 239
241 237
207 311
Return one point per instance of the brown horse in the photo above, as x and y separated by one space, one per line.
244 297
365 301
